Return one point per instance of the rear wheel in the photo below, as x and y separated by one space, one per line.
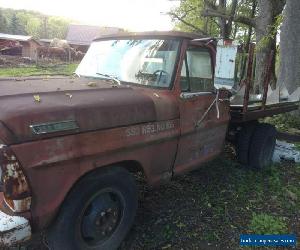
244 141
98 212
262 146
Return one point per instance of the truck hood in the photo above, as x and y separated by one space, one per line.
90 104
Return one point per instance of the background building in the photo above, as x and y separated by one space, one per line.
18 45
81 36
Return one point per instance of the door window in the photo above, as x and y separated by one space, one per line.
196 72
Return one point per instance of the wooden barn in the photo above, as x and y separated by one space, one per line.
18 45
81 36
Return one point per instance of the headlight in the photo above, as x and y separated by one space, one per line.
15 186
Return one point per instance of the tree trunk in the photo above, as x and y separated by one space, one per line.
250 29
266 39
222 21
289 74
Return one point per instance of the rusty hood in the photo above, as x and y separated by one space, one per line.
89 104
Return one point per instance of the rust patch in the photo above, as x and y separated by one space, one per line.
15 185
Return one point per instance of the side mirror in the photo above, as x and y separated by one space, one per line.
225 64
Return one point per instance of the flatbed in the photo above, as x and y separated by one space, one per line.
256 112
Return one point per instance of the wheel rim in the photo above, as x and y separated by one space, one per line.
101 218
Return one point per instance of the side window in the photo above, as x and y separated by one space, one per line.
196 72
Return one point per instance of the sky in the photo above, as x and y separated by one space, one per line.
135 15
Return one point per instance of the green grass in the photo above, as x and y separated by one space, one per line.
217 203
67 69
284 122
267 224
246 201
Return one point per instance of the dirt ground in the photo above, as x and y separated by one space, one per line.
209 208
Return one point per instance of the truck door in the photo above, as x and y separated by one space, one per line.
202 129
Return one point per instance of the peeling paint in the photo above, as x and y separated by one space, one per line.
13 230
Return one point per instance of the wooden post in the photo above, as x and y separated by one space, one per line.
267 80
249 78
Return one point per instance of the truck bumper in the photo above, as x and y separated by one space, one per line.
13 230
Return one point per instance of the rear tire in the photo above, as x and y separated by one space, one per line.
262 146
244 141
98 212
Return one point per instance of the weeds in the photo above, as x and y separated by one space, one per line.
267 224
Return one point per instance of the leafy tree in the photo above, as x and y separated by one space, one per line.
3 22
23 22
16 27
57 27
188 18
33 27
237 19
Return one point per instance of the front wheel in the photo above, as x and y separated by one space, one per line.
97 214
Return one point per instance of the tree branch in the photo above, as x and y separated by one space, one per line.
181 19
245 20
240 19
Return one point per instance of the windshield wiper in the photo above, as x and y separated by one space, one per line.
110 77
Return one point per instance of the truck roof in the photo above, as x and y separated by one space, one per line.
153 34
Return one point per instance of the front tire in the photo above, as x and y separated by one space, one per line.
98 212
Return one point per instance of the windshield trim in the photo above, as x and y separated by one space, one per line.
179 50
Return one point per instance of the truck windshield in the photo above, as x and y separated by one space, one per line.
144 61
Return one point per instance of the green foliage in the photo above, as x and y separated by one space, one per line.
191 11
272 32
33 27
3 22
57 27
23 22
284 122
267 224
15 26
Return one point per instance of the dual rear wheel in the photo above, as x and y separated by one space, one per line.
256 144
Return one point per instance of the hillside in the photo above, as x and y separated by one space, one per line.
36 24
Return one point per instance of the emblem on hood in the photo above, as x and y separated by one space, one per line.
52 127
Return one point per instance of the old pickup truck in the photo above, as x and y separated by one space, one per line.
142 102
